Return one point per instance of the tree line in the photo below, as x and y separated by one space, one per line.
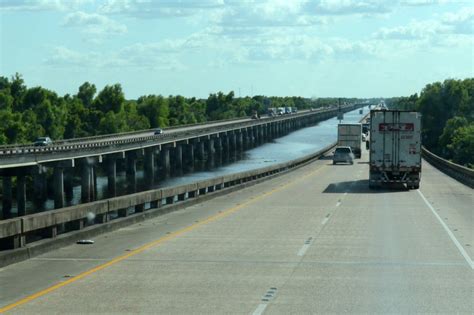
27 113
447 110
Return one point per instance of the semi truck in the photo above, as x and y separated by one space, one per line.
395 148
350 135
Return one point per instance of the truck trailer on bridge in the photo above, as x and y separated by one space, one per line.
350 135
395 148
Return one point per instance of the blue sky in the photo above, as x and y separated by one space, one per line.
312 48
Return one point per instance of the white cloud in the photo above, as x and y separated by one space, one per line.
461 22
450 24
93 23
346 7
157 8
416 3
41 5
415 30
135 56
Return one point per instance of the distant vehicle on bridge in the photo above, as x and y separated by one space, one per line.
272 111
395 148
255 115
280 111
43 141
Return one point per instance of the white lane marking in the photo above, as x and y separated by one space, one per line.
259 310
451 235
303 249
338 204
325 220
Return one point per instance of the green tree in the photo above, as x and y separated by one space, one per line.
462 145
111 98
155 109
86 93
134 120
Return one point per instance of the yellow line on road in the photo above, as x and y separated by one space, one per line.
151 244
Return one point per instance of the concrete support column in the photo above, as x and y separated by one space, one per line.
86 179
39 186
131 172
111 169
245 140
93 182
200 151
233 142
149 166
21 194
233 146
239 141
188 157
218 149
210 153
58 182
7 197
165 161
68 185
251 137
225 147
178 158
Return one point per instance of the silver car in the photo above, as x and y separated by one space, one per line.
344 155
43 141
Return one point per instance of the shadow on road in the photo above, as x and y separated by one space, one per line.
362 187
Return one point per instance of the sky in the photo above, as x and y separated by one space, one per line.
309 48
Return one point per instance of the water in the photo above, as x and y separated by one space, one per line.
292 146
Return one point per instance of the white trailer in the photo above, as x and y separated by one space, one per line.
395 148
350 135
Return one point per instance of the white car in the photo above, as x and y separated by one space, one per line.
343 154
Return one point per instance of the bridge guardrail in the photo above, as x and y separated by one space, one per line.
462 174
143 204
117 139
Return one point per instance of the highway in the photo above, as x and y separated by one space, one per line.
315 240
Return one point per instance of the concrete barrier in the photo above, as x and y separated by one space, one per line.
460 173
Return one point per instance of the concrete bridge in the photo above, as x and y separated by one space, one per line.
175 151
313 240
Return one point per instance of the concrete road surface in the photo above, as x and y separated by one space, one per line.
316 240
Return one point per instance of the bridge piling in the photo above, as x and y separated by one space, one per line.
68 185
131 171
165 161
210 153
39 186
188 157
7 197
21 194
58 187
240 141
85 182
149 166
111 170
178 159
